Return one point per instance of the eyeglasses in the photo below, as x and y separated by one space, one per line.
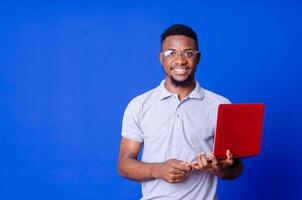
187 53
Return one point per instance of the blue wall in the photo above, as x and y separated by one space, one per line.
68 70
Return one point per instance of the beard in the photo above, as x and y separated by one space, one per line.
188 81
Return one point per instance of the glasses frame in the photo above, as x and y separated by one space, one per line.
180 52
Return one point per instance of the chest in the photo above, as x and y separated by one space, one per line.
192 123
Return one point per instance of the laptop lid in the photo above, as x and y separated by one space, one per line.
239 129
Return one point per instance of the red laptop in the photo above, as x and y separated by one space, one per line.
239 128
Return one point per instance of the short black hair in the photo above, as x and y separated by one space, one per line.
179 29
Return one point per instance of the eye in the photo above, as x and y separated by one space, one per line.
188 54
173 53
169 53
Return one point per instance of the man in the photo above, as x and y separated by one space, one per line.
175 122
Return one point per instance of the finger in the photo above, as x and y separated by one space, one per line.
204 159
214 159
181 166
171 180
212 165
196 166
191 164
229 154
176 180
199 162
187 166
177 171
229 159
178 176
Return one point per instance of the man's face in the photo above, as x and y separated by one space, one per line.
179 70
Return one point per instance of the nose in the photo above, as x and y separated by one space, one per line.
180 59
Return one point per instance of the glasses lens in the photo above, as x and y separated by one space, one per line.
188 53
169 53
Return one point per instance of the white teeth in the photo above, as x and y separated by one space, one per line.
179 70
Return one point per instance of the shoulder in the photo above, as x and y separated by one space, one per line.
215 98
141 100
211 101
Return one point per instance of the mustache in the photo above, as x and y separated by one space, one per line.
179 66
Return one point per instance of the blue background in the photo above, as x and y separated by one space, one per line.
68 70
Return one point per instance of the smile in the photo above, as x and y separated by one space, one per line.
180 71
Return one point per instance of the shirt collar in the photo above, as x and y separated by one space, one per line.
163 92
197 92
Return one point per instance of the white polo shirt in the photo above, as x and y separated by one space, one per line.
170 128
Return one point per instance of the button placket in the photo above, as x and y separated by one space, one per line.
177 112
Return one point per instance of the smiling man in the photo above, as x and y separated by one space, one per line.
175 124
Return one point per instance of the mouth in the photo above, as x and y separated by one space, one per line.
180 70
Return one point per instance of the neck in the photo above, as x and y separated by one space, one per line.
181 91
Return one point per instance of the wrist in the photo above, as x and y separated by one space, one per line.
155 170
223 170
221 173
230 172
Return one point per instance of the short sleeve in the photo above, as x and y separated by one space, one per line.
228 101
131 122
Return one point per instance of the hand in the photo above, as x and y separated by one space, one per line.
173 170
213 166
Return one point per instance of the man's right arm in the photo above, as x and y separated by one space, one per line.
172 171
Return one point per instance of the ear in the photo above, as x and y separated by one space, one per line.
161 58
198 58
